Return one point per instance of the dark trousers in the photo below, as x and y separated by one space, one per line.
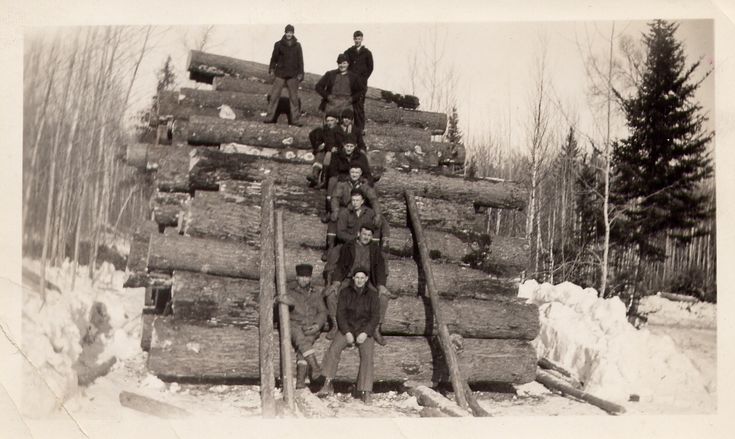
365 373
293 96
359 109
302 343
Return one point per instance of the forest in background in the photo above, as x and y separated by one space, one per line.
619 212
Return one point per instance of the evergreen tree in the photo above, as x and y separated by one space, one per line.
658 167
166 77
454 135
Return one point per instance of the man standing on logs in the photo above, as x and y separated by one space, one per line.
339 88
308 315
360 251
361 64
357 318
286 68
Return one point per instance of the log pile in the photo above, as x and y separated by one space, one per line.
200 250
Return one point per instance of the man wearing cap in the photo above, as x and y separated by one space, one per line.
286 68
325 141
307 316
345 158
358 252
342 196
339 88
357 317
348 127
361 64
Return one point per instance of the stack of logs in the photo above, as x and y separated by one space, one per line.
198 255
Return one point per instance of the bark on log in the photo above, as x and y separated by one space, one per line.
267 287
172 173
312 406
427 397
167 207
207 130
229 258
216 215
553 383
507 256
184 350
150 406
220 300
207 66
222 166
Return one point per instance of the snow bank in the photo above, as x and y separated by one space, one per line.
592 338
53 332
661 311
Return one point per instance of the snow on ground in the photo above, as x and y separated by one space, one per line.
592 338
97 320
661 311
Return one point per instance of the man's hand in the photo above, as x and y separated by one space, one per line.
284 299
271 74
334 215
350 338
378 221
385 244
361 338
299 77
383 291
312 329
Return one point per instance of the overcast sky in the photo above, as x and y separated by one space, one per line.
492 61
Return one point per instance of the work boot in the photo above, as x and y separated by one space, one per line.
330 244
314 178
327 208
314 369
301 370
378 336
366 396
326 389
269 121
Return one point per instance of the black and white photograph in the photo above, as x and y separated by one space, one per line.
293 220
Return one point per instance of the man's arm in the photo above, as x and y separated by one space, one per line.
380 270
369 65
342 226
322 85
343 322
300 54
357 87
274 59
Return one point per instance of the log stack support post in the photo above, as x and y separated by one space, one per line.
283 317
265 301
458 382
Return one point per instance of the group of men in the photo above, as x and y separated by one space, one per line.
353 304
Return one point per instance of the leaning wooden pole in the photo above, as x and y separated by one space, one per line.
453 364
283 317
265 301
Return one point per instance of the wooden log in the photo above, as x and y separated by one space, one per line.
228 258
427 397
207 130
207 66
450 355
678 297
151 406
144 156
183 350
432 412
506 256
216 215
220 300
504 195
172 173
265 302
312 406
167 207
284 325
146 329
553 383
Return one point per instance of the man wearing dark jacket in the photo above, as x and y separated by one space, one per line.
361 64
357 319
287 68
361 251
325 141
339 88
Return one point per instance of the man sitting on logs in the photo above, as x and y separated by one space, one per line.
345 158
360 251
339 89
286 68
340 197
357 318
348 127
325 141
308 315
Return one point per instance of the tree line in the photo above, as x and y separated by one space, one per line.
629 206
